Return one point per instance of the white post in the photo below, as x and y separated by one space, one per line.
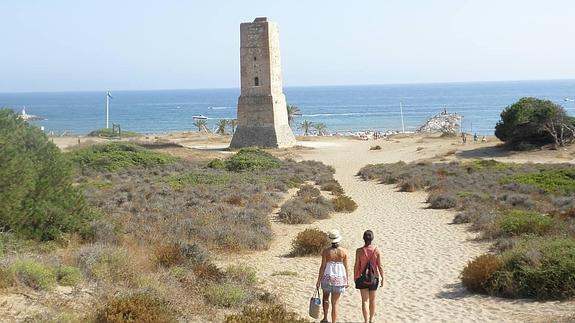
402 123
107 109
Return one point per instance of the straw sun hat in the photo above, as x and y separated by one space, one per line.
334 236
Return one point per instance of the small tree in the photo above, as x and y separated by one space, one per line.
560 127
201 124
306 126
321 128
221 126
292 112
37 199
531 121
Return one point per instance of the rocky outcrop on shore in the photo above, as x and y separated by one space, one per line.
443 123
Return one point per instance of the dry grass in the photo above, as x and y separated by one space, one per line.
135 307
478 271
344 203
309 242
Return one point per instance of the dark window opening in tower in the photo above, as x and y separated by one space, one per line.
257 81
255 58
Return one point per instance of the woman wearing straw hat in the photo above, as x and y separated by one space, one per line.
333 274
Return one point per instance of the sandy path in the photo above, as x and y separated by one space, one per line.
423 253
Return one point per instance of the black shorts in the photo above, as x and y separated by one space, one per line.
373 286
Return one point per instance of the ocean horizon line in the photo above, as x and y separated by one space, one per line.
294 86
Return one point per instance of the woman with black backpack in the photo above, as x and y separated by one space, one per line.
368 274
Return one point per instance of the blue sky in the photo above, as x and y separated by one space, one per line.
61 45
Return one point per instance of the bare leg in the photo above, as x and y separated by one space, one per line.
371 304
364 299
334 299
325 305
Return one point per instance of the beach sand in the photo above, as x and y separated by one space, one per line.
423 253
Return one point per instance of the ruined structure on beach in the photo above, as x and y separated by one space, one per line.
442 123
262 114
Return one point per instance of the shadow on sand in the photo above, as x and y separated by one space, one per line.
486 152
453 291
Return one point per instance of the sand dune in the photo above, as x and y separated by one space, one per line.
423 253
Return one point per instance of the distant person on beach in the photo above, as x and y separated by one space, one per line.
463 137
333 275
475 137
368 257
483 139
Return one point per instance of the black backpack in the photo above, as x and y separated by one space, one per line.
367 277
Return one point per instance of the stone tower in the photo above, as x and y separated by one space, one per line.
262 114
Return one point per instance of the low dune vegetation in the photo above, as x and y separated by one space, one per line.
112 133
527 210
132 230
310 205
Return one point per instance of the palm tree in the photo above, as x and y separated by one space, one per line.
306 126
202 124
320 128
233 124
292 112
221 126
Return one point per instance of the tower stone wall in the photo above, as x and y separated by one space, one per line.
262 114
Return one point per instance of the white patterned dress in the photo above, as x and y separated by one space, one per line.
334 277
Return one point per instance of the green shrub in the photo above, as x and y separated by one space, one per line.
109 133
135 307
522 123
37 198
114 156
548 180
517 222
217 164
250 159
268 313
180 181
68 275
226 295
344 203
309 242
478 272
34 274
541 268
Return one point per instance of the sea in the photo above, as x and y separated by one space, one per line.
341 108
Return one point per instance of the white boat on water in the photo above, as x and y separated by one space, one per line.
28 117
200 117
569 100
